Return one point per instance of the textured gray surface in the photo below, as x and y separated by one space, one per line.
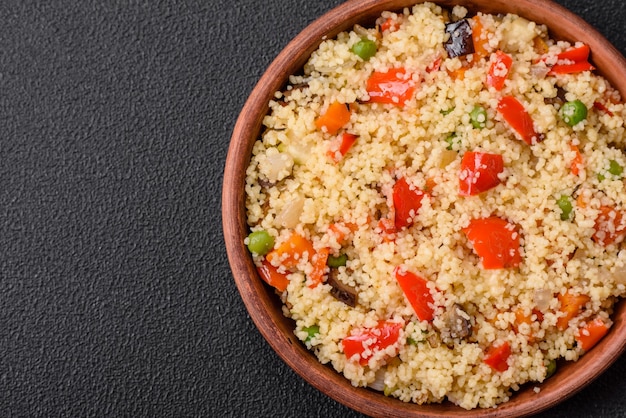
115 294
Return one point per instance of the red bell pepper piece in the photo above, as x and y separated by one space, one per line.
318 273
335 117
608 226
480 38
591 333
395 86
499 70
573 60
518 118
417 292
387 229
576 67
370 340
495 241
497 356
575 54
479 172
272 276
390 25
407 201
601 107
577 161
435 65
570 306
340 146
291 251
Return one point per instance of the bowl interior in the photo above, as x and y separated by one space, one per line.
263 305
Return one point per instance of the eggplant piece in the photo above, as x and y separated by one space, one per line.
457 325
460 42
559 99
340 291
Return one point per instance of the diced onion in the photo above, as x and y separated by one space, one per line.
299 152
276 165
619 275
542 299
289 216
379 381
520 32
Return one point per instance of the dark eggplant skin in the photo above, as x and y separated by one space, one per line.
460 42
340 291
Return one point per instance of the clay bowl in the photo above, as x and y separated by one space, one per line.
264 306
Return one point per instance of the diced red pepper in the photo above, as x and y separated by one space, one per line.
575 54
499 70
518 118
480 38
407 201
577 67
291 251
601 107
577 162
591 333
387 229
479 172
522 318
497 356
431 183
319 270
390 25
573 60
496 241
341 229
571 306
416 290
340 146
371 340
395 86
272 276
609 227
336 117
435 65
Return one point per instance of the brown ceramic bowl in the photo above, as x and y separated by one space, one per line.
264 306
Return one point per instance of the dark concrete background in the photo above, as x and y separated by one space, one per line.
116 298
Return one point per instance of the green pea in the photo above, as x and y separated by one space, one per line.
365 48
573 112
454 143
551 368
312 331
565 204
446 112
478 117
338 261
615 168
260 242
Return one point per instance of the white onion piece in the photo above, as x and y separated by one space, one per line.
542 299
447 156
299 152
518 33
539 71
289 216
276 165
379 381
619 275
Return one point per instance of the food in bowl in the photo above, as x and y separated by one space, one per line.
438 200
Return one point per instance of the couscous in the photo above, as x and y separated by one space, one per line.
439 202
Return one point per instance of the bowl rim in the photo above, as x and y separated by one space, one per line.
262 304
